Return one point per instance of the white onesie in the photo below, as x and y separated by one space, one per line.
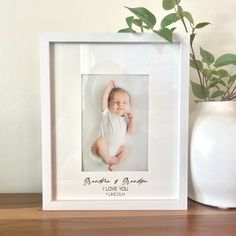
113 129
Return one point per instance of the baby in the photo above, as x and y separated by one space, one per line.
117 120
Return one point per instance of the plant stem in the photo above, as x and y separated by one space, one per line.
232 95
201 80
181 16
141 27
228 89
195 61
231 98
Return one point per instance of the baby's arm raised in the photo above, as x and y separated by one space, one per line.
131 129
106 93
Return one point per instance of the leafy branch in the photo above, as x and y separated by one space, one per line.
215 82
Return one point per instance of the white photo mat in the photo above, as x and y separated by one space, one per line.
75 68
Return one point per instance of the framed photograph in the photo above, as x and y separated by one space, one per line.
114 121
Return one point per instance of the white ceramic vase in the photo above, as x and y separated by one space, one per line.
212 163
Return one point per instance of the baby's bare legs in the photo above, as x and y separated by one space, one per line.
100 149
121 153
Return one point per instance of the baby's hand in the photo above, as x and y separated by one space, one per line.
131 128
130 115
112 84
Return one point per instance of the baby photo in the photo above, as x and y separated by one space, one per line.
115 122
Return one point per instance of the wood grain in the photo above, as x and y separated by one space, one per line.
21 214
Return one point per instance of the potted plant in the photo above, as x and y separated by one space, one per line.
212 159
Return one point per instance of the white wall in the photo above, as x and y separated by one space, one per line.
20 23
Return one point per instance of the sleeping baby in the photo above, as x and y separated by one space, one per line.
117 121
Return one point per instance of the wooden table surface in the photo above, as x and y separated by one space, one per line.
21 214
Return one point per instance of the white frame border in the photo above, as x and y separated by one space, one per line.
48 202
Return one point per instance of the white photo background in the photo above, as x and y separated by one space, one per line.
137 144
160 163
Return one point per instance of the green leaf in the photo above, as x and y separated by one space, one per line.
196 64
165 33
207 73
145 15
201 25
214 72
169 4
214 79
207 57
129 21
199 91
180 12
138 22
188 16
232 79
169 19
127 30
226 59
211 85
220 81
222 73
146 27
218 93
192 64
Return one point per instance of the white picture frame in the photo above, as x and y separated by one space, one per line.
69 64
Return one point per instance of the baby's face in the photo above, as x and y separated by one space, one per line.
119 103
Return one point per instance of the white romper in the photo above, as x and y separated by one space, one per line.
113 129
